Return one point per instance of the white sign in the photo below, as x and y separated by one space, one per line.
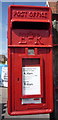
31 100
4 76
31 81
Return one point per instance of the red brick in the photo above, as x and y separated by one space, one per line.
54 6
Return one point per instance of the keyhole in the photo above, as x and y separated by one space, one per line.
18 79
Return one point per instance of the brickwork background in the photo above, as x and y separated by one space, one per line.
54 7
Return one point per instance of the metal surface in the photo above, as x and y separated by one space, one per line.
29 27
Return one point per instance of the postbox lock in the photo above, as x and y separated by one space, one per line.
18 79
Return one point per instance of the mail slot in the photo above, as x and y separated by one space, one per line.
30 78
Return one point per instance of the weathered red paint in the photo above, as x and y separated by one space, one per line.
29 27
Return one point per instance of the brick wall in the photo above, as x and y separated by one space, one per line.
54 6
57 7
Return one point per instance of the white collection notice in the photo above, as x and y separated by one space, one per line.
31 81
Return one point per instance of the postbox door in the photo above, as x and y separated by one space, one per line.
28 80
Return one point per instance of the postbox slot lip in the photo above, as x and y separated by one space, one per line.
31 20
31 25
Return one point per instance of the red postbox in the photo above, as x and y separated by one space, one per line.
30 79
